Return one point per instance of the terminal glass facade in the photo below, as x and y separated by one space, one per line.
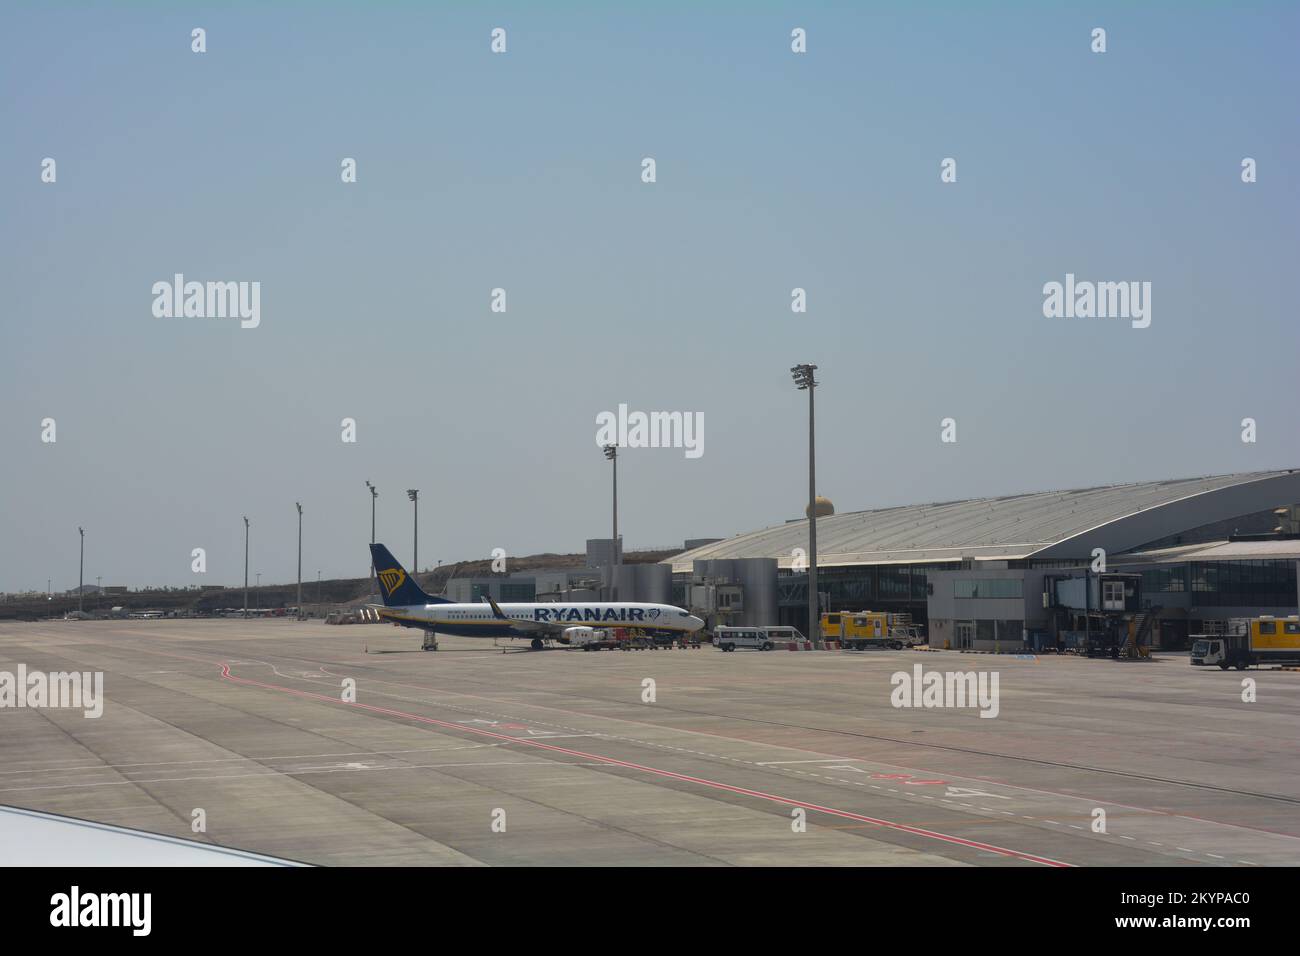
1172 580
1243 583
870 588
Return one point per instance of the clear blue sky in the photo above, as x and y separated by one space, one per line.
523 171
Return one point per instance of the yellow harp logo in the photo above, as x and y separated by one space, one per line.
392 579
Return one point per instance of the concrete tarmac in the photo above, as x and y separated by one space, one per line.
477 755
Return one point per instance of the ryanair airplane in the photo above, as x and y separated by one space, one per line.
406 603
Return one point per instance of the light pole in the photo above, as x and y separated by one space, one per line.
81 567
611 452
257 595
318 586
99 590
298 505
414 495
805 381
374 493
245 565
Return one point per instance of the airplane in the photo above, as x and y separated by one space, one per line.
406 603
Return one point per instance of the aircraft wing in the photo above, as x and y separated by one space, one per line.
540 628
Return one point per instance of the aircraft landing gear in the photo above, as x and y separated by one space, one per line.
538 644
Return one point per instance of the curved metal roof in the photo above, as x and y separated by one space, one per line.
1052 524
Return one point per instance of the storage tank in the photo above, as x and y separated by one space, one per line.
758 577
649 583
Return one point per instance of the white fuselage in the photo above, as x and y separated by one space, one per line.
479 620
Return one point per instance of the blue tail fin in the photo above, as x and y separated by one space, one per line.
397 587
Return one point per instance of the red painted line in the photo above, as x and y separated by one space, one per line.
714 784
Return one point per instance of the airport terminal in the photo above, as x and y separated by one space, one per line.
1182 557
994 573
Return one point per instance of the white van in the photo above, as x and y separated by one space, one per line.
759 638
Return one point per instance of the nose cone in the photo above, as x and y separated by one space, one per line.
696 623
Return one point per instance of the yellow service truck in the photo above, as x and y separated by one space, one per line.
859 630
1263 640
